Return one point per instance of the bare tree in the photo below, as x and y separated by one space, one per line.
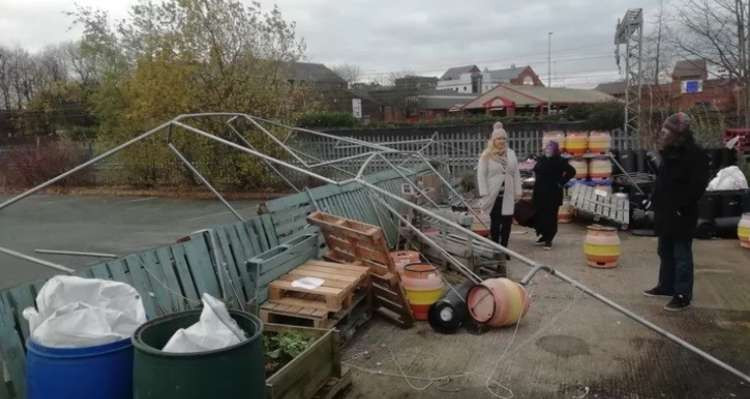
658 54
349 72
716 31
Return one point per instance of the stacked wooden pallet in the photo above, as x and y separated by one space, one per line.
600 205
350 241
320 306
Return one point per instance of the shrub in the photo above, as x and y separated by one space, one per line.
327 120
32 165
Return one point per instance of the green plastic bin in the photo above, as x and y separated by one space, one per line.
234 372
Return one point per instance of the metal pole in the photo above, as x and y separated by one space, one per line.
403 176
312 199
76 253
204 181
84 165
549 71
450 187
652 326
321 134
637 187
38 261
270 165
259 154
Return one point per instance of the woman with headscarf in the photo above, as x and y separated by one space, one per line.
551 173
499 184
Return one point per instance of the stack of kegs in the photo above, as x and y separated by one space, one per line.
599 142
576 143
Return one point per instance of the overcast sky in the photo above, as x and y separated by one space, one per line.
421 36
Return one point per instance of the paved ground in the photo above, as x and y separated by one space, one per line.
572 346
117 225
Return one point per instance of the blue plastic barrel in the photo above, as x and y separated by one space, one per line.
96 372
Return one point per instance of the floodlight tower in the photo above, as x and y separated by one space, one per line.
629 32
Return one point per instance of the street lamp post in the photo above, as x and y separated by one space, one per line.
549 72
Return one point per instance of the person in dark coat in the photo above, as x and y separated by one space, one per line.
551 173
681 180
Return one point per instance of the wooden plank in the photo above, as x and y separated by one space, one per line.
142 283
101 271
306 303
119 271
12 348
248 232
228 271
240 259
349 274
202 267
183 272
246 243
342 266
167 266
270 230
330 302
329 280
162 297
20 298
285 283
257 226
302 271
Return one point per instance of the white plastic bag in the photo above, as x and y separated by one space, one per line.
75 312
730 178
214 330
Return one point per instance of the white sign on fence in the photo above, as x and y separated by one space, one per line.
357 107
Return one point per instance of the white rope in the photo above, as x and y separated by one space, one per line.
446 379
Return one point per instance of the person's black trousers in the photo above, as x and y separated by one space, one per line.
500 224
545 218
676 268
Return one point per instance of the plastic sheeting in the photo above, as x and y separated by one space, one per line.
730 178
214 330
75 312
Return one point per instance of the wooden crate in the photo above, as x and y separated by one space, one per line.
350 241
308 374
346 320
336 293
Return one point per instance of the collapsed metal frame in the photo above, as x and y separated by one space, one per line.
381 195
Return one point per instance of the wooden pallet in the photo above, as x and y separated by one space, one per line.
339 283
279 313
599 205
351 241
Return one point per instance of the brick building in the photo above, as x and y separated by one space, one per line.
690 87
520 76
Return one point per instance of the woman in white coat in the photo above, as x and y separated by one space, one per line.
499 183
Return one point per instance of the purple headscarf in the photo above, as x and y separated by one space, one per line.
552 145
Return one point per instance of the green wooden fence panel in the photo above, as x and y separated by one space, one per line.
183 272
12 349
167 267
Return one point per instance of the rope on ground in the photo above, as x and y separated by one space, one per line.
490 384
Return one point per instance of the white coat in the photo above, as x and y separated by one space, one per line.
491 174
